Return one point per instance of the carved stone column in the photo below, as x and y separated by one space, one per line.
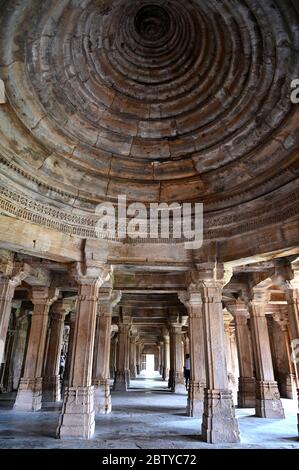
219 422
113 351
77 418
289 376
102 397
161 365
70 348
29 396
178 380
51 379
292 294
19 347
10 278
268 403
133 340
193 303
246 392
166 357
138 356
121 373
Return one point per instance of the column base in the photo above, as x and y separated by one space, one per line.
246 393
29 396
51 389
165 374
128 377
268 403
170 379
219 423
195 400
290 386
178 385
77 418
133 374
120 381
102 397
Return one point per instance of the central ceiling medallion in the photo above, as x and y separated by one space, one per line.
152 23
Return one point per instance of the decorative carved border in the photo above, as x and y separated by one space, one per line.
24 208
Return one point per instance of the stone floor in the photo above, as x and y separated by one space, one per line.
146 417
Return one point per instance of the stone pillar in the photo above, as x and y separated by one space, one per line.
178 380
77 418
19 347
70 349
121 373
286 371
138 357
51 379
133 340
161 366
193 302
166 358
113 349
29 396
102 397
292 295
268 403
8 284
7 373
246 392
219 422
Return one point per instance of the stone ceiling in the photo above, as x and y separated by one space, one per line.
163 100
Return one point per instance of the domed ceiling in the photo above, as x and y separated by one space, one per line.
164 100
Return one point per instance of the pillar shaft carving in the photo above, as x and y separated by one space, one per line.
121 380
77 418
219 422
246 392
29 396
101 360
10 278
51 380
268 403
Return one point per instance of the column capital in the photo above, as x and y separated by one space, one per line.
258 301
58 311
211 274
190 298
92 275
238 309
44 295
124 327
281 317
12 278
107 299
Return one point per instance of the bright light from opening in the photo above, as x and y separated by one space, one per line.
150 365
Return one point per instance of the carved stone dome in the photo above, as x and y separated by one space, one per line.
157 100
